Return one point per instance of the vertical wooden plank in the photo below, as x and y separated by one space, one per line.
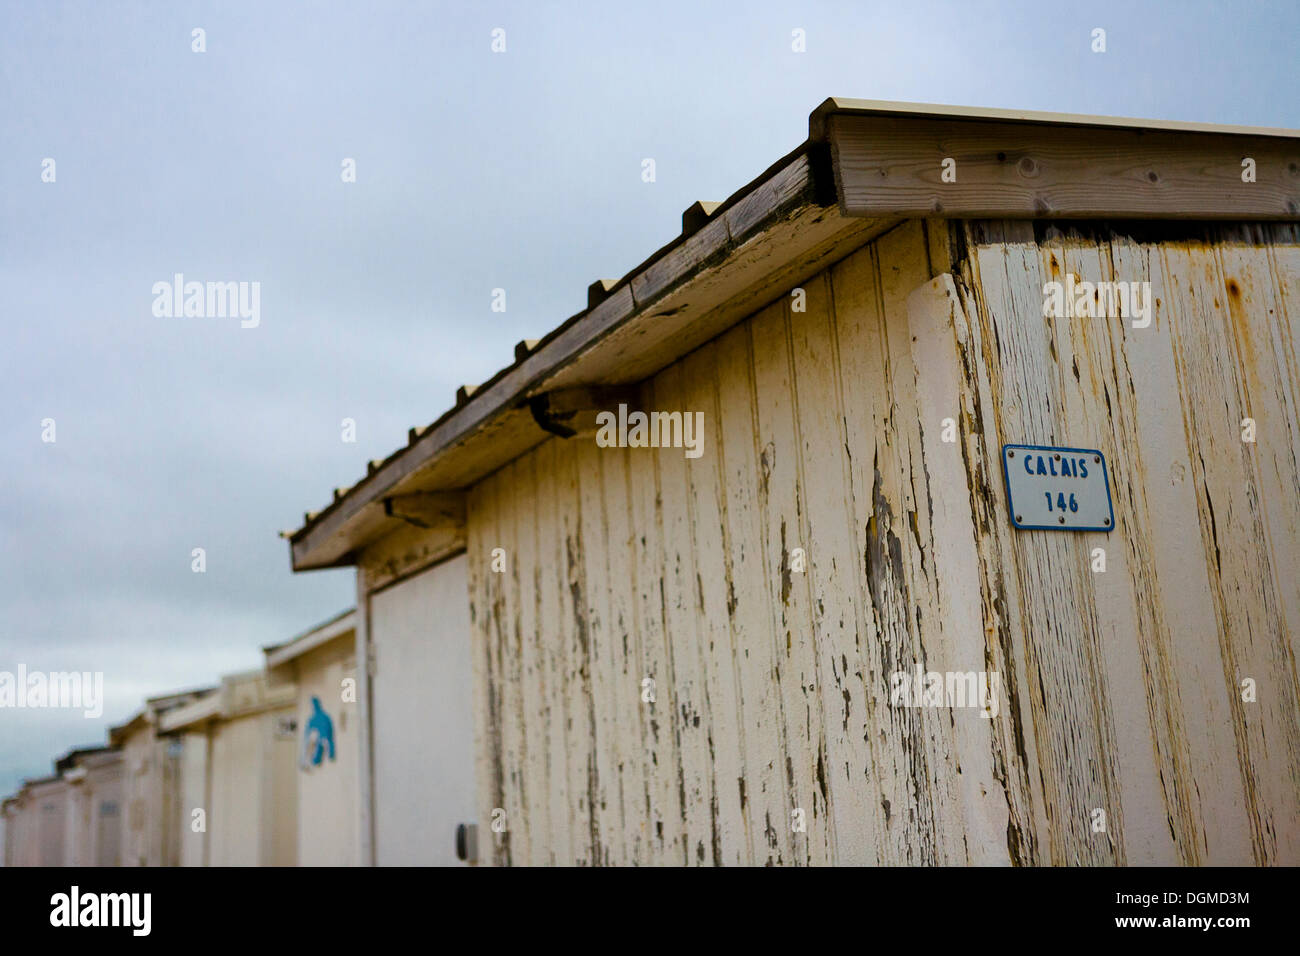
1011 737
552 636
525 567
493 848
1283 329
898 539
665 777
1251 299
479 673
903 259
628 714
832 551
781 505
580 718
754 638
714 586
595 546
965 644
681 628
867 389
510 636
514 511
1284 254
365 719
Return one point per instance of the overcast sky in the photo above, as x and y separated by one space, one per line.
474 170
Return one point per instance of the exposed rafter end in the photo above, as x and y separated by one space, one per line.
428 509
696 215
568 412
599 291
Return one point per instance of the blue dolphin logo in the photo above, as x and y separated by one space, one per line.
318 733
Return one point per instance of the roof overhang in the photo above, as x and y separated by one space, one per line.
196 712
239 695
137 721
866 166
154 708
333 629
730 260
38 784
80 757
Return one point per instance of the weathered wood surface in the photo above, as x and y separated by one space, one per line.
1120 691
1138 709
893 166
408 550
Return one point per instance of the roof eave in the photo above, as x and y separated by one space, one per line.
336 627
796 214
847 106
699 271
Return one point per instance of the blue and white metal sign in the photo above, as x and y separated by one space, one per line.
1057 489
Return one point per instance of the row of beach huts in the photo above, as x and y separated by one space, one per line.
248 772
944 398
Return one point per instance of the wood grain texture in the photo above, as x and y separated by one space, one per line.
824 431
894 166
1189 601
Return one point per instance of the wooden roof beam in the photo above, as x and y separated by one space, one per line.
572 411
974 168
428 509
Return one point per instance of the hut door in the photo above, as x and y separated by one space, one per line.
422 717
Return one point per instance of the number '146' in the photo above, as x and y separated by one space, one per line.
1060 502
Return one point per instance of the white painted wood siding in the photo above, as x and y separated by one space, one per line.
253 817
823 433
327 792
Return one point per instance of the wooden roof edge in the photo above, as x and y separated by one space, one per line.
337 626
538 359
474 406
847 106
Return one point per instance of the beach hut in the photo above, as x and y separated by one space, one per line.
41 831
321 665
11 819
239 793
22 829
151 766
95 793
933 499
